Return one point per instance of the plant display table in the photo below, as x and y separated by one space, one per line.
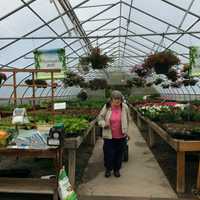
180 146
32 185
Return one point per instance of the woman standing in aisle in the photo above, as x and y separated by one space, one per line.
114 119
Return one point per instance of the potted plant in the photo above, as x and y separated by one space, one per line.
72 79
3 77
161 61
96 59
38 83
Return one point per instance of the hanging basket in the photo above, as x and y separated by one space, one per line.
161 62
96 60
3 77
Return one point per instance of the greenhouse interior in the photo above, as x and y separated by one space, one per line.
92 107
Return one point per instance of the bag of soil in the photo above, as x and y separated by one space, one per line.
65 189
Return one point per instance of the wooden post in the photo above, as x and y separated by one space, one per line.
72 166
180 177
93 136
198 177
138 121
15 88
151 137
52 96
33 88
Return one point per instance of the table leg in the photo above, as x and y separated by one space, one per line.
138 121
180 177
151 137
72 166
93 136
198 177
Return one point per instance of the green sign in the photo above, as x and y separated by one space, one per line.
194 61
50 59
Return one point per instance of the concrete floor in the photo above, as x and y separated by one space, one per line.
141 177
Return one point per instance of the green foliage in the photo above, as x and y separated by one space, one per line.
82 95
73 124
41 118
7 107
96 59
133 99
72 79
86 104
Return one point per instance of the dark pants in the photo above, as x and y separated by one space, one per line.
113 152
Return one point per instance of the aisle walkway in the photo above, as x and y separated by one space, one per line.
141 177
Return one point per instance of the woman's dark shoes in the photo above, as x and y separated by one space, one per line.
116 173
107 173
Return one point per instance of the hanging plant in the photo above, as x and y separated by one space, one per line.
98 83
161 62
172 75
54 85
149 84
83 68
3 77
158 81
82 95
165 85
72 79
38 83
96 59
138 82
140 70
188 82
176 84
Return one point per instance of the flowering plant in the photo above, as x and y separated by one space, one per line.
2 77
140 70
96 59
161 61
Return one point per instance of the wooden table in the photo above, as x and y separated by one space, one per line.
32 185
180 146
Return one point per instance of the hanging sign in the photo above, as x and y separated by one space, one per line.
50 59
194 61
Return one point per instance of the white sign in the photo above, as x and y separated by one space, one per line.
60 106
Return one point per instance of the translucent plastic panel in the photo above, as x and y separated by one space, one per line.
189 20
45 9
58 27
87 14
160 10
91 2
7 7
19 23
195 7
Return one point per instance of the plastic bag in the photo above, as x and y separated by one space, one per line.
65 189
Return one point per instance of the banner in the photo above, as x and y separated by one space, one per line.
194 61
50 59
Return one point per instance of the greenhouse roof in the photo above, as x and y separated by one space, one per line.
128 30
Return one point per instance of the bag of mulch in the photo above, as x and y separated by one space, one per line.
65 189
